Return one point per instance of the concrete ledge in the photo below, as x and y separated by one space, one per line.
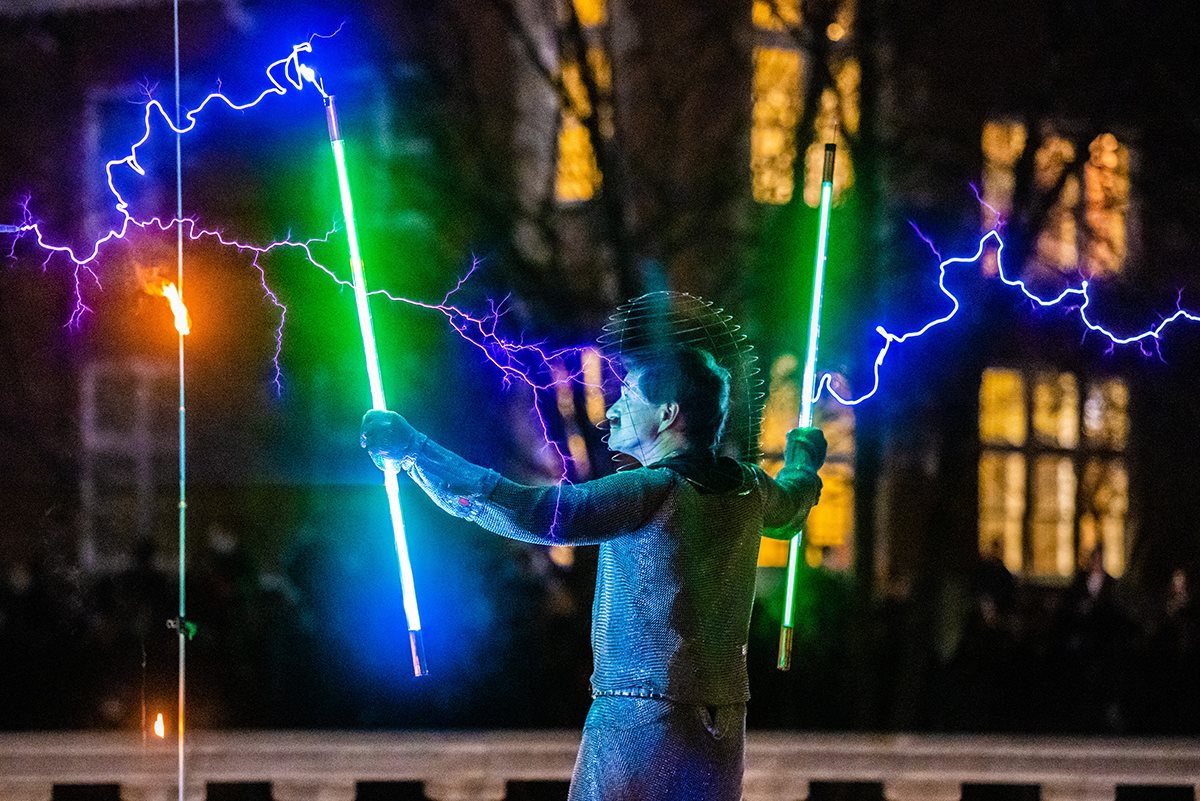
326 766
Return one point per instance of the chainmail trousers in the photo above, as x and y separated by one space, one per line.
638 749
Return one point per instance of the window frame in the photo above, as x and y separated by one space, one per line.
1080 456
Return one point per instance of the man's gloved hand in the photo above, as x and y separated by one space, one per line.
388 437
806 449
802 459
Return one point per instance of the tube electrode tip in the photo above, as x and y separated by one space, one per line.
331 119
416 644
827 169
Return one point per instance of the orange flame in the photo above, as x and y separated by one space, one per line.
168 290
183 320
160 728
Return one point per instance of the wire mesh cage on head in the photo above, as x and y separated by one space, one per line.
667 318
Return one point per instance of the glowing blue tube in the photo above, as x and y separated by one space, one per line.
391 485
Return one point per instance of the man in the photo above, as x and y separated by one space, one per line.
678 539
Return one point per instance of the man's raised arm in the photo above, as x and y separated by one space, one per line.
566 514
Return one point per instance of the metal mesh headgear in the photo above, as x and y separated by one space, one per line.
662 319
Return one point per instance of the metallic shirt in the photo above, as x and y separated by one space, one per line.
678 554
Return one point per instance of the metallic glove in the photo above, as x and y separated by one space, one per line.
388 437
806 449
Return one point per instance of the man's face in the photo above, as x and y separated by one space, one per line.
633 421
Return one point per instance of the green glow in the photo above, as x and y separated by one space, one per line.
808 384
378 401
360 286
814 320
789 598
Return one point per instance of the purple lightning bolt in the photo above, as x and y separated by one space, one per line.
517 361
281 74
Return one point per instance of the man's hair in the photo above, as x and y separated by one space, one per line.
692 378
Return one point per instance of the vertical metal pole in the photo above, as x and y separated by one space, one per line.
375 379
182 627
808 386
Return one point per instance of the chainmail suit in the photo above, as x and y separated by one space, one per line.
670 622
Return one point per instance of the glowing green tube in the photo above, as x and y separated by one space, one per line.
808 385
391 485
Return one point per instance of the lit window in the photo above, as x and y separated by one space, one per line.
1002 408
777 96
831 522
1105 506
829 533
1105 495
1106 204
1002 504
1003 143
1056 410
776 113
1057 248
1052 524
590 13
578 175
590 377
776 15
1052 478
593 376
1085 227
838 114
1106 415
849 81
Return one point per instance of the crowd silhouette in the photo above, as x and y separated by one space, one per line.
996 655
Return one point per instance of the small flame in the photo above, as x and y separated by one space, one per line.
183 320
160 728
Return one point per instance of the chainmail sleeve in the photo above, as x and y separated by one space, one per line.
567 514
576 514
788 498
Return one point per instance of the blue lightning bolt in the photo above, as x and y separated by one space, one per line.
1080 294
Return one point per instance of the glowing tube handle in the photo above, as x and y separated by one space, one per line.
807 388
375 379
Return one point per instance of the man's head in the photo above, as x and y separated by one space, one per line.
673 399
